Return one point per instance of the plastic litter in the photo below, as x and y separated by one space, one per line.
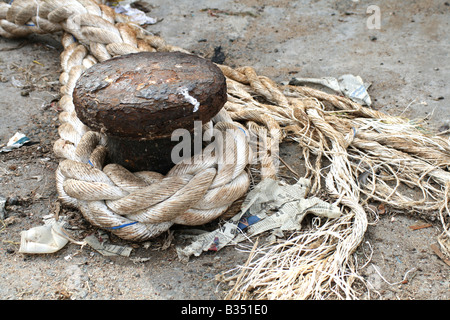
16 141
2 207
48 238
347 85
327 82
17 83
354 88
52 236
134 14
106 249
271 205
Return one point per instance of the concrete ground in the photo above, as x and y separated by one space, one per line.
405 58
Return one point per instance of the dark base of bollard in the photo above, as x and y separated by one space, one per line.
151 155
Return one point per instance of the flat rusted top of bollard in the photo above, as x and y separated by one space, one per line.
148 95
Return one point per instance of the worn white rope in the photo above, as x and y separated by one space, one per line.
134 206
144 204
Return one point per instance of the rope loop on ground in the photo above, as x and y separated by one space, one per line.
140 205
368 154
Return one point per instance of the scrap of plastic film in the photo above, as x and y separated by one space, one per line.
135 15
270 206
48 238
348 85
16 141
52 236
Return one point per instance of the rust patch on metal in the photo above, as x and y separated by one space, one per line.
148 95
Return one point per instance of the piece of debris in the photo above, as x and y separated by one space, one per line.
362 178
438 252
135 14
16 141
48 238
444 128
17 83
13 201
348 85
381 209
420 226
327 82
107 250
37 62
10 220
142 5
214 12
140 260
2 208
271 205
219 56
53 236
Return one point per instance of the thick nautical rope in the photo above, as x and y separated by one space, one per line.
355 139
139 205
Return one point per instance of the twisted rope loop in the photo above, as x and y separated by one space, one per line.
140 205
357 141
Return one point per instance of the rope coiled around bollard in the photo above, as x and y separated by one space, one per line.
134 206
352 139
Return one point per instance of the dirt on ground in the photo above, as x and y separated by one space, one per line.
406 60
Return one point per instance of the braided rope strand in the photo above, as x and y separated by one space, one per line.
128 204
141 205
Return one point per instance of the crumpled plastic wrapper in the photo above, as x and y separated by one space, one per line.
16 141
134 14
271 205
107 250
48 238
354 88
348 85
52 236
2 207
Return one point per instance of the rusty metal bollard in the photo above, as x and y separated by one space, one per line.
139 99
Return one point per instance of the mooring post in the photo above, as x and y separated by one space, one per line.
138 100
